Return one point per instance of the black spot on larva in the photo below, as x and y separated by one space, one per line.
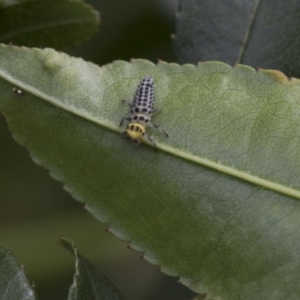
135 117
147 120
136 109
145 109
137 129
132 127
141 118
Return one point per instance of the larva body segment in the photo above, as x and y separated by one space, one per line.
144 97
141 110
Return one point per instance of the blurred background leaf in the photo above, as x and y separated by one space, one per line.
47 23
13 281
257 33
89 282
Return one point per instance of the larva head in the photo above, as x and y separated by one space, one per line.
135 131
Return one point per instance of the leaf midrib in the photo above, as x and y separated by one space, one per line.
228 170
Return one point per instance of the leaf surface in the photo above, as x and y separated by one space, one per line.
13 282
217 204
51 23
260 33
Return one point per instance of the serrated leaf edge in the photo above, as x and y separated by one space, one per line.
228 170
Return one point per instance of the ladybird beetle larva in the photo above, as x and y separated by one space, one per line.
141 109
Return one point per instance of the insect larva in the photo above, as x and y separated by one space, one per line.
141 109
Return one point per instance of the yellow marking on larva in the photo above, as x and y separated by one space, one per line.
135 130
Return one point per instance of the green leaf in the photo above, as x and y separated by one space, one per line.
257 33
217 204
52 23
89 282
13 282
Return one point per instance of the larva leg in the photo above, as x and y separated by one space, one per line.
155 110
124 133
150 140
124 118
159 128
128 103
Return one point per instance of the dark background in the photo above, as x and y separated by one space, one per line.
34 208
